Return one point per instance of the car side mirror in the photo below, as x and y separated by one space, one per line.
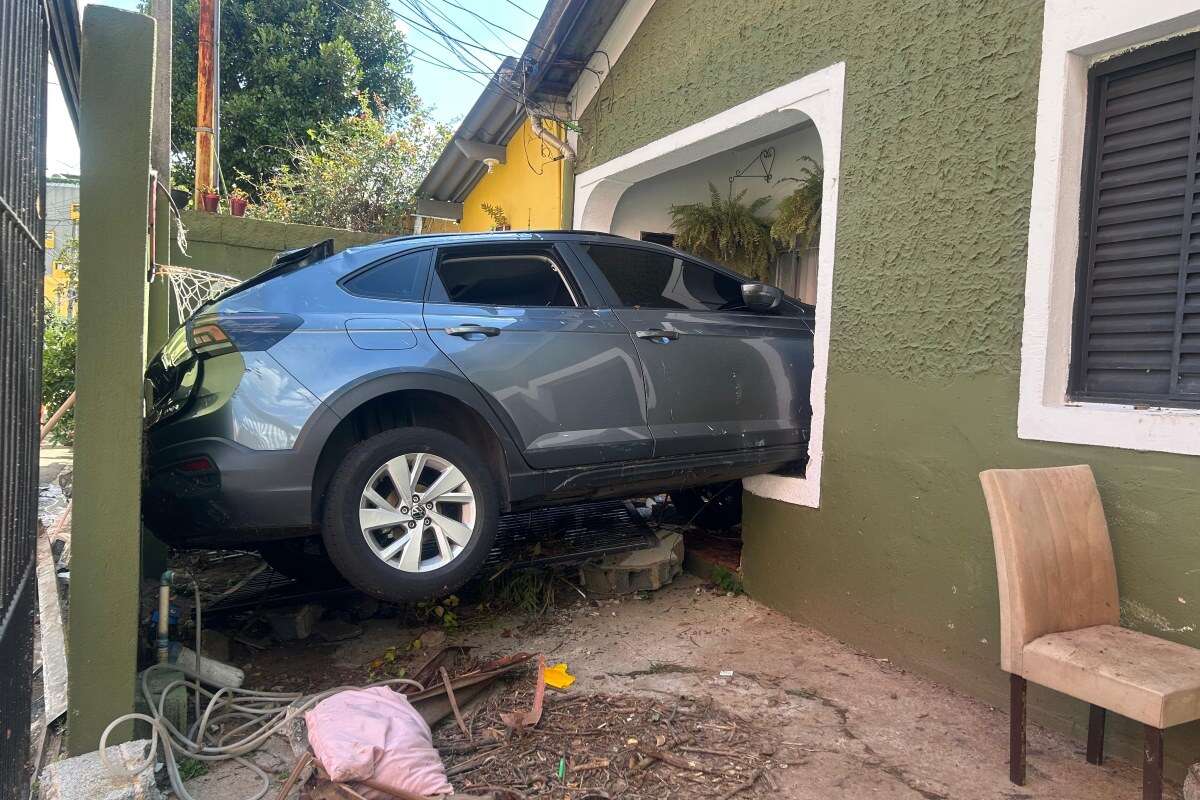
761 297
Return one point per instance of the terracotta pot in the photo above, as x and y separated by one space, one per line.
237 206
211 201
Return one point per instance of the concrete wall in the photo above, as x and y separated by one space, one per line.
646 206
243 247
936 174
528 186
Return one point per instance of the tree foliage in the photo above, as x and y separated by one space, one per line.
58 369
287 67
354 173
728 231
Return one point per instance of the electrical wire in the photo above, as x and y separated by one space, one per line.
522 10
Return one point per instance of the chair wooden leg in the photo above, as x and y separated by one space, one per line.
1095 742
1152 764
1016 730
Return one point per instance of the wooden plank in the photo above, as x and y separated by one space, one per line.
54 650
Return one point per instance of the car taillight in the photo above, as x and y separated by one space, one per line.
214 334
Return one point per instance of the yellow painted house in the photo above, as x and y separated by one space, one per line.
496 173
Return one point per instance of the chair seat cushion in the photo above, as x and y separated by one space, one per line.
1139 676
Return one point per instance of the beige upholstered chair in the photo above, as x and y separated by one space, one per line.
1060 619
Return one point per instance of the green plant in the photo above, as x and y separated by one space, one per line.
356 173
798 218
190 768
726 230
58 370
529 591
727 581
499 218
238 192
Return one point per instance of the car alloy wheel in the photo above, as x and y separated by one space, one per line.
417 512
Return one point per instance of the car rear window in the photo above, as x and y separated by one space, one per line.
521 281
399 278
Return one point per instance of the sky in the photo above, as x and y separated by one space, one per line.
449 93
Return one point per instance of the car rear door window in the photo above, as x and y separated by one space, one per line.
515 280
399 278
644 278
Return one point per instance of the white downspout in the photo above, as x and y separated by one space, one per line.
567 152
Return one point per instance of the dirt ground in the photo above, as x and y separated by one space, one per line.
844 725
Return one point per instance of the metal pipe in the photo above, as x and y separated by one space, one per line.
567 155
164 616
57 415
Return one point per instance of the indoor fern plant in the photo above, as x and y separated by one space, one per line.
798 218
728 231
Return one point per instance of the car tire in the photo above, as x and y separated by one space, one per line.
717 507
447 545
304 560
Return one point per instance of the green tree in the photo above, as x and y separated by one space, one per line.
287 67
58 370
354 173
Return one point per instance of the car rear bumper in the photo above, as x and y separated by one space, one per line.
244 496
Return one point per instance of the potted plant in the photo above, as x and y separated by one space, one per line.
499 218
238 200
181 196
210 200
798 221
728 231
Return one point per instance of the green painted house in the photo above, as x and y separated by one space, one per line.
1004 278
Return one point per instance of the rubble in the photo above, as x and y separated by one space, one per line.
86 777
295 623
642 570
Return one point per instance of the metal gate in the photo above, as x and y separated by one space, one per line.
23 53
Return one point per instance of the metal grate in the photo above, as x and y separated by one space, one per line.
23 58
558 535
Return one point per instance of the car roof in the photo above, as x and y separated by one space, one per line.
481 237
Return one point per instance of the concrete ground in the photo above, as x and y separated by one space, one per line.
864 728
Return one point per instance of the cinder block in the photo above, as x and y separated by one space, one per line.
292 624
639 571
86 778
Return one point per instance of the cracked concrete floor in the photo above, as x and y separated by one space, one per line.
867 728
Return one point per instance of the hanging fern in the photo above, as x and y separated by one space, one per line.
728 231
799 214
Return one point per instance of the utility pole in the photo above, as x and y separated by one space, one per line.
207 88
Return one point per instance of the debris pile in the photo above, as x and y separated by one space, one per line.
597 746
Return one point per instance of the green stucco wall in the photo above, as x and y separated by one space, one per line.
937 163
117 69
242 247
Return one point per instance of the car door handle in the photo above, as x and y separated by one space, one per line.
467 330
658 335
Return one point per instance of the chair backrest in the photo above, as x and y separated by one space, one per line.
1054 559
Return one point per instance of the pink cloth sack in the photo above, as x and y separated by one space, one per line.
376 739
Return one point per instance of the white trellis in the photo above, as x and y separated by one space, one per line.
192 288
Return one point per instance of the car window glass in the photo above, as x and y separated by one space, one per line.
401 278
651 279
529 281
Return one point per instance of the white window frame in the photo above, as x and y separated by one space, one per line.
1076 34
819 97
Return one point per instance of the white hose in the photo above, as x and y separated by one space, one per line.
259 716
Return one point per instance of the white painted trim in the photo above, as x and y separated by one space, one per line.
613 44
1077 33
818 97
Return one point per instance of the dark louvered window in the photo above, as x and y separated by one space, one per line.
1137 321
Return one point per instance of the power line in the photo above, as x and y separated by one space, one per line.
529 14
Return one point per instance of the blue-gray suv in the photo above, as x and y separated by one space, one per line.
399 397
